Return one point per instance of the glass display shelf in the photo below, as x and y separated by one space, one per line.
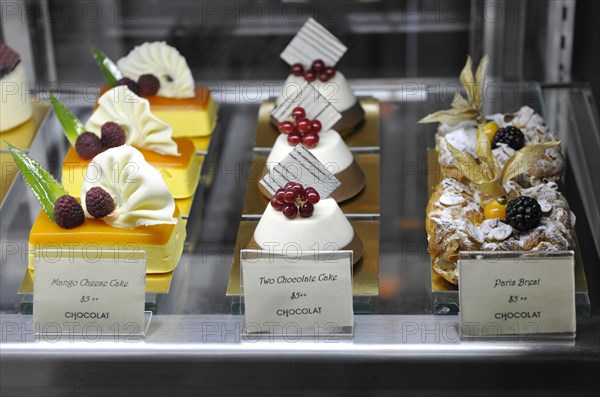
194 340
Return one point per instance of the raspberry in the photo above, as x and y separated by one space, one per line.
68 212
149 84
512 136
523 213
98 202
132 85
88 145
112 135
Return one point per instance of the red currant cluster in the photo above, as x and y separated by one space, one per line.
317 69
301 129
293 198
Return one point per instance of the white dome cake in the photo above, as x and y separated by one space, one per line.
307 118
301 215
337 90
334 154
15 105
312 55
326 230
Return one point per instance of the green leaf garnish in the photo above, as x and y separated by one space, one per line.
45 188
71 124
111 72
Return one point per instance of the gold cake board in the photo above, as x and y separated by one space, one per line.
365 202
366 135
156 283
365 280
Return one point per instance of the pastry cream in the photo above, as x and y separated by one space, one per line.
189 117
142 128
140 196
180 173
165 63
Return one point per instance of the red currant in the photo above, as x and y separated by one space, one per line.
313 196
306 210
275 203
297 69
298 113
303 125
315 126
279 194
290 210
286 127
297 188
294 138
330 72
323 77
310 140
289 185
318 65
310 76
289 196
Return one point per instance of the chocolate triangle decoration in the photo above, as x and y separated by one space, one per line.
313 42
301 166
316 106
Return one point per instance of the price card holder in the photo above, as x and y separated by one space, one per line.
91 294
297 297
530 294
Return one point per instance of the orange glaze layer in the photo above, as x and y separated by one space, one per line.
185 147
200 100
95 230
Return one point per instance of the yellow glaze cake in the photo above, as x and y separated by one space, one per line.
180 173
189 117
163 244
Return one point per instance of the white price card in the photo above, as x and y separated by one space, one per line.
303 296
504 294
76 293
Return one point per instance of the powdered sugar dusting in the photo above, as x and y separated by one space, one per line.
464 137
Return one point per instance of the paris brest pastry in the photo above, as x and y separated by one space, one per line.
159 73
302 217
15 104
312 55
491 212
126 207
125 118
507 133
307 120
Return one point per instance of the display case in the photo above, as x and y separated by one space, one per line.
406 336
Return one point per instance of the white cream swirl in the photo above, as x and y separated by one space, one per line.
142 129
141 196
164 62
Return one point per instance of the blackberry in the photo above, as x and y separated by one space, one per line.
88 145
98 202
512 136
523 213
149 84
68 212
112 135
132 85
